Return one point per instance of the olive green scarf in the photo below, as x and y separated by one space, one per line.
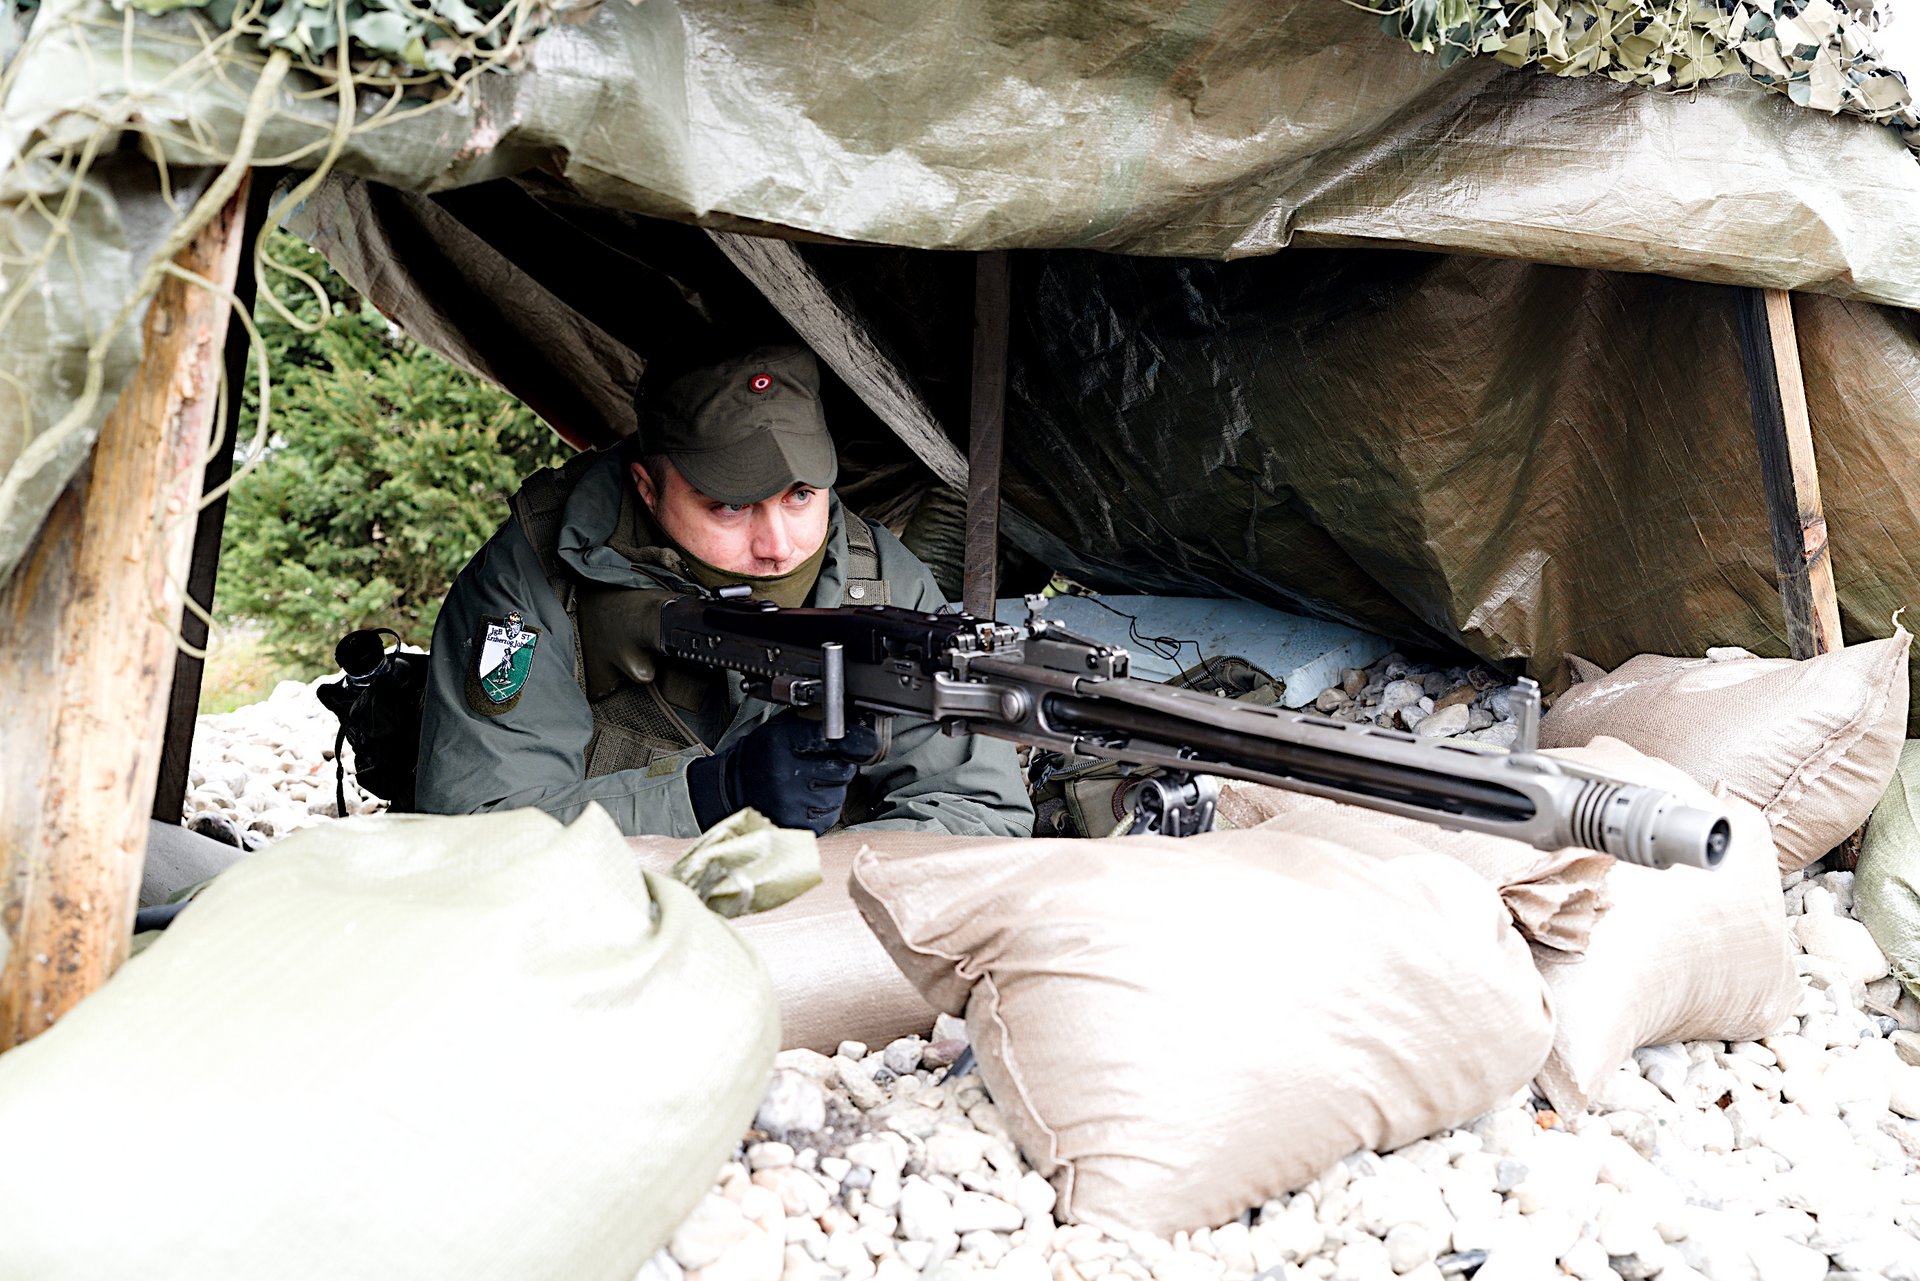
786 590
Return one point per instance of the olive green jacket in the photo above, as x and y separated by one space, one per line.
533 753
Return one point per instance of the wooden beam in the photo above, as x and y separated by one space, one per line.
837 336
1785 439
89 618
183 704
986 430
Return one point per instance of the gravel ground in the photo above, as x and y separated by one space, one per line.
1787 1159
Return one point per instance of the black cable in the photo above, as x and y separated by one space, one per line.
1166 647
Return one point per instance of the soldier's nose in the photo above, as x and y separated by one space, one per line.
773 542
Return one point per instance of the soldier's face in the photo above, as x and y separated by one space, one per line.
763 539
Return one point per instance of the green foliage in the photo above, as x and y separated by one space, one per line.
387 469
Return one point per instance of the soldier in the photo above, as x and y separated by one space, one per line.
727 480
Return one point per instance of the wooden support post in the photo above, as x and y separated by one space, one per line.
1785 439
800 296
986 430
183 704
89 616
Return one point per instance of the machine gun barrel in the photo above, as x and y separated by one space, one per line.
1043 686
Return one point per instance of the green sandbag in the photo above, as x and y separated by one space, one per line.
1886 884
486 1047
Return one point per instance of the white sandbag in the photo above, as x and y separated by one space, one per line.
1680 955
832 979
1176 1030
484 1048
1812 744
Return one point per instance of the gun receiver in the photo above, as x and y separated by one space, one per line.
1042 685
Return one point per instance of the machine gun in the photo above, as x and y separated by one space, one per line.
1040 684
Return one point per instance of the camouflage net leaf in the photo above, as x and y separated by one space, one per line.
386 40
1819 53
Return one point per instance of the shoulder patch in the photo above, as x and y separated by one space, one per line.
503 650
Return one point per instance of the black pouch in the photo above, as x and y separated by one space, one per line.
378 704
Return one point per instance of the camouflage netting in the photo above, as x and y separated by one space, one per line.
1819 53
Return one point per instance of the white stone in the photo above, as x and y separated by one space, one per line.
860 1086
759 1255
951 1149
794 1104
917 1255
661 1267
1385 1202
1779 1259
1706 1129
905 1116
976 1211
1362 1258
768 1156
1468 1194
1445 723
1562 1170
1794 1052
1520 1260
1843 941
879 1152
1408 1244
1626 1090
1507 1131
1864 1073
903 1055
1399 694
1294 1235
713 1226
809 1063
1803 1139
883 1191
1587 1261
1233 1246
1904 1093
986 1117
925 1213
1626 1227
1034 1195
799 1192
1023 1263
987 1247
1501 734
1840 885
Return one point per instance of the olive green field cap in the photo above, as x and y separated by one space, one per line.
744 428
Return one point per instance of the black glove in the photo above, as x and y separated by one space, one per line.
786 769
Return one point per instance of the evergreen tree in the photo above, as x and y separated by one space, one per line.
386 470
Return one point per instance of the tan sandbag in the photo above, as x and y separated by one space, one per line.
1680 955
1554 896
1176 1030
832 979
1812 744
390 1049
